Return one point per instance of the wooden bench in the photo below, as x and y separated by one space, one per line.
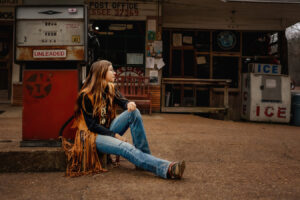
136 88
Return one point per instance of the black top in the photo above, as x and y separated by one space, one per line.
93 123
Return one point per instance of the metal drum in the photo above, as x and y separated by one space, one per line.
296 109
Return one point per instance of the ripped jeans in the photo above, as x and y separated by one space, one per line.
139 154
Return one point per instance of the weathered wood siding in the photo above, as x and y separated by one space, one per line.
155 98
234 103
215 14
17 94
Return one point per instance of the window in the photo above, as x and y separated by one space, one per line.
214 54
121 42
225 67
202 41
262 47
255 44
180 52
203 66
189 63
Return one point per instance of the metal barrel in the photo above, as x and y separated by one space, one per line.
296 109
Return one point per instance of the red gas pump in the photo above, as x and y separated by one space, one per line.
51 48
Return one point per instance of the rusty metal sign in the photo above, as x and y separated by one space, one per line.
53 53
50 53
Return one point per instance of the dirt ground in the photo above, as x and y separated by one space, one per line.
225 160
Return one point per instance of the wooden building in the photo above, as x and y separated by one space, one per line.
185 40
124 30
7 14
213 39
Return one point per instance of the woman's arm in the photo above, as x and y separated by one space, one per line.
120 100
92 122
93 126
123 102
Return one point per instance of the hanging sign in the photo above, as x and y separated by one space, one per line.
111 9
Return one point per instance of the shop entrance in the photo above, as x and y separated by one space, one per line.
122 43
196 58
5 62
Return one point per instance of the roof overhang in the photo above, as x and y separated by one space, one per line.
264 1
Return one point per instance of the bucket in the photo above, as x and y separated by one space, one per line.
296 109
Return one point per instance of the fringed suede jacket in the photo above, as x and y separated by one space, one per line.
82 157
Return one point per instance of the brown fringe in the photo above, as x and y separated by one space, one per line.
82 156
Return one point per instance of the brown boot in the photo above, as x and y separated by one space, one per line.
176 170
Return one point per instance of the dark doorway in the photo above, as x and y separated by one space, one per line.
6 34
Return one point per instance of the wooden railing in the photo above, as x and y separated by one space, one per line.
136 88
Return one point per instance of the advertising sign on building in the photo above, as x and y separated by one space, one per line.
266 98
120 9
264 68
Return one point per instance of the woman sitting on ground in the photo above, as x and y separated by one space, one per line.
99 130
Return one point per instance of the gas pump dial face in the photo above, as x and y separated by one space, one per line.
50 33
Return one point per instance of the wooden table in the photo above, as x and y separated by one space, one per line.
198 82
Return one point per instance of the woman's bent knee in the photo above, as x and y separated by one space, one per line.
136 113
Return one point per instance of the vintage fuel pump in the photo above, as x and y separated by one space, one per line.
51 47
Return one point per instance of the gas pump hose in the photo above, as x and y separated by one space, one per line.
64 126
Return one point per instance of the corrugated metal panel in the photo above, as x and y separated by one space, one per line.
215 14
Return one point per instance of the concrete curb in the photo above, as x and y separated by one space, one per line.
32 161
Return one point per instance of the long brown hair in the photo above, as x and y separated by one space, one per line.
95 86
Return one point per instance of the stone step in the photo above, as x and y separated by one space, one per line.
32 161
4 96
35 159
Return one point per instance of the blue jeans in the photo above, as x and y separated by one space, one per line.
139 154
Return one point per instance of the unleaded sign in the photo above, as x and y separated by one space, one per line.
54 53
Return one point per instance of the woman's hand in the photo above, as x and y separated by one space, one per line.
122 138
131 106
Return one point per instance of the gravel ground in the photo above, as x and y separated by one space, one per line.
225 160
